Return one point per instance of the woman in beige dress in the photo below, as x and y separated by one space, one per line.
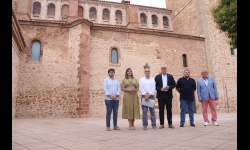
130 109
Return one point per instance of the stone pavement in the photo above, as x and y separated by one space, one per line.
91 134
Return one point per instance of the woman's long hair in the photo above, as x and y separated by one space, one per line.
126 75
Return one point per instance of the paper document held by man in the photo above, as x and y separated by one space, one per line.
150 103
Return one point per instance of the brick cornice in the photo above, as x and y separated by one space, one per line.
17 34
147 31
50 23
109 28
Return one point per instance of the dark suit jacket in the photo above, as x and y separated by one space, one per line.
158 85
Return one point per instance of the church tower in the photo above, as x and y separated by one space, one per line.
194 17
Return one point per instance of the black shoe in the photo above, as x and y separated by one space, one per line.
182 125
192 124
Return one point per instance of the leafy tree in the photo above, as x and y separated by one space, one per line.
225 16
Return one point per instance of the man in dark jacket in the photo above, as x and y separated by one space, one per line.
164 84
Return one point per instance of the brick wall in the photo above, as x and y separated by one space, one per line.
136 50
15 70
84 71
23 7
48 88
185 17
18 45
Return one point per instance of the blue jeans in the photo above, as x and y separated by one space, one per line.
111 105
190 105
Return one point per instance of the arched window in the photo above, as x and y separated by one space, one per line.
165 21
154 20
143 18
118 17
36 9
184 60
80 11
114 56
65 11
105 14
36 50
51 9
92 13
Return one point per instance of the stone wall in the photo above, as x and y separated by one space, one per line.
185 17
18 45
48 88
23 6
222 65
15 70
136 50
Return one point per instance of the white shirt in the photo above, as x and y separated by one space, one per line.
206 82
147 85
111 86
164 80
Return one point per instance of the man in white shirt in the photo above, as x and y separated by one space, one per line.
147 90
111 87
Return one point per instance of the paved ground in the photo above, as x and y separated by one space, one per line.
91 134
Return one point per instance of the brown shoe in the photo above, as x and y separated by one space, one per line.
161 126
108 129
117 128
171 126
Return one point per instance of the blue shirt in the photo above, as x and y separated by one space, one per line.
187 88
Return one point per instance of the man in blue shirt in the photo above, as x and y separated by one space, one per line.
186 86
111 87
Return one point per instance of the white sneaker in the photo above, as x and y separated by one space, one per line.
216 124
206 124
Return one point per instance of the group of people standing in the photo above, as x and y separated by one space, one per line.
163 84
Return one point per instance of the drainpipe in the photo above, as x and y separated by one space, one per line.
225 93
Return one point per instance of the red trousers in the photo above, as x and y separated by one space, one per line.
212 106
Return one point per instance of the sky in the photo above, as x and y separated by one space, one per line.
152 3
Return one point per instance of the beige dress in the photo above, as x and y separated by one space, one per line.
130 109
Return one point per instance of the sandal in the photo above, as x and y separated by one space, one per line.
132 128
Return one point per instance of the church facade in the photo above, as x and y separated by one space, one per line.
62 50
